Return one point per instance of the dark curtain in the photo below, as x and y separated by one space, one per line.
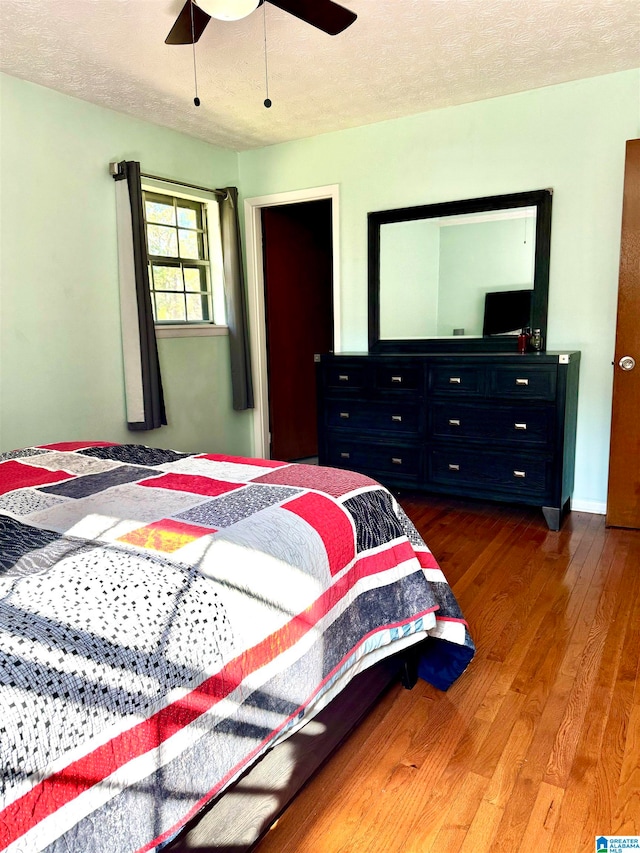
236 303
143 383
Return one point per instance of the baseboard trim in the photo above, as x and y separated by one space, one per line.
596 507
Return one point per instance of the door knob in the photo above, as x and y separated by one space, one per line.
627 362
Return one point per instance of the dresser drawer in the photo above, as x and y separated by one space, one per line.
398 377
347 375
528 426
454 379
528 382
401 417
396 460
512 472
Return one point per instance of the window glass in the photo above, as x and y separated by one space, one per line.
194 279
163 214
167 278
188 217
196 306
189 244
170 308
163 240
185 261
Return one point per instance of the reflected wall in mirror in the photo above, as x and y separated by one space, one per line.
442 268
464 275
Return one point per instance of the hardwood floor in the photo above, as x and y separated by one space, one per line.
537 746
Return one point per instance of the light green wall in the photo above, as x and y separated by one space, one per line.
60 348
409 272
569 137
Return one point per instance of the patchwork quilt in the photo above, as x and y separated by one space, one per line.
166 617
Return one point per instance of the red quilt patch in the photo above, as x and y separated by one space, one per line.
242 460
332 525
426 559
17 475
332 481
191 483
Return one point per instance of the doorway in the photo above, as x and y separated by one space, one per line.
253 210
298 296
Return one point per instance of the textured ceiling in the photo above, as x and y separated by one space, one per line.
399 58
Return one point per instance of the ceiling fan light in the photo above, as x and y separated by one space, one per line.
228 10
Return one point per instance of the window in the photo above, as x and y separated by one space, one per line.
185 259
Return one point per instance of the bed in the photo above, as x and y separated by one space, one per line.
169 620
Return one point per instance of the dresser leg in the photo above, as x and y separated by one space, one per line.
553 516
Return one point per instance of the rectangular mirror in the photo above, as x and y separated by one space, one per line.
464 275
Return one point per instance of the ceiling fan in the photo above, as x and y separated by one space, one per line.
325 15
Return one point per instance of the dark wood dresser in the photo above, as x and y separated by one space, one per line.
494 426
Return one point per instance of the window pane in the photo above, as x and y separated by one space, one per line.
197 308
164 214
162 240
169 307
189 244
167 278
188 217
186 283
195 278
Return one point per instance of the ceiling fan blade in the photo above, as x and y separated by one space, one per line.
323 14
181 32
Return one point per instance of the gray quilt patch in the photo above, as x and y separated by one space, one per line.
92 483
23 502
232 508
19 454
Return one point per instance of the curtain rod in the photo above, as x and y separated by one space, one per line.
114 170
219 193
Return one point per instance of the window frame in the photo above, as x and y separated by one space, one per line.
208 266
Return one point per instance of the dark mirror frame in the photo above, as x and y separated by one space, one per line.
540 199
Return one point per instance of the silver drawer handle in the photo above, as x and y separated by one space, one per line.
520 474
453 467
396 418
520 426
345 415
522 381
455 380
343 377
345 455
454 421
396 460
396 378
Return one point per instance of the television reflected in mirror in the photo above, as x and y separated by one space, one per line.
506 312
459 276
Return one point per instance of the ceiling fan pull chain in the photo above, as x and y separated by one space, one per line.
196 100
267 100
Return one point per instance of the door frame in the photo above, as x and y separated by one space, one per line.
255 295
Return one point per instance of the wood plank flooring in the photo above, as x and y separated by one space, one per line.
537 746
